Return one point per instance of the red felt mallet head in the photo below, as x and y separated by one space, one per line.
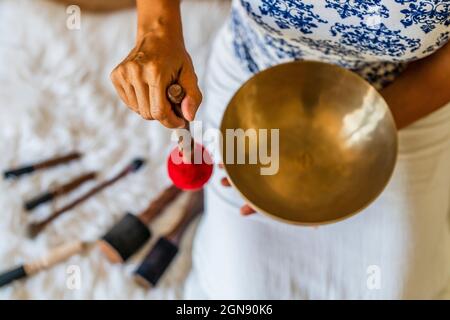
190 175
187 174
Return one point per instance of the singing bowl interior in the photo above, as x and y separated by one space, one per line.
337 142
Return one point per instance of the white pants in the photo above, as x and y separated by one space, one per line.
399 247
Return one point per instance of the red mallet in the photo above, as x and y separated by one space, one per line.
191 175
189 165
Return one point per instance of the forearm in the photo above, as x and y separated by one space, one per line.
159 16
421 89
158 59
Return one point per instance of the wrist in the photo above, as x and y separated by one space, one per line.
159 27
164 19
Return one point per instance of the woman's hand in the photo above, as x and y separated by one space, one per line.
141 80
246 209
158 60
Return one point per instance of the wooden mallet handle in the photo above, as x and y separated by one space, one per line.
176 94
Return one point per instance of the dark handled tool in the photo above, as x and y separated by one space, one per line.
12 275
166 248
58 191
35 228
17 172
54 257
128 235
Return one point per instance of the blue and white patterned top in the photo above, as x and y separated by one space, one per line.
375 38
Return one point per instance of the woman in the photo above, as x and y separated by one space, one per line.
399 247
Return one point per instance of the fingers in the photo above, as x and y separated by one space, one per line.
188 80
160 107
124 89
141 92
224 182
246 210
142 87
131 95
120 91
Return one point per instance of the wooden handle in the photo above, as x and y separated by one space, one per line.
55 256
58 191
75 183
176 93
17 172
157 205
194 207
162 254
57 161
35 228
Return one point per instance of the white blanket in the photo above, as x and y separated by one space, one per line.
55 96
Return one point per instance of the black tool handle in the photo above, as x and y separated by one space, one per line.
12 275
15 173
38 200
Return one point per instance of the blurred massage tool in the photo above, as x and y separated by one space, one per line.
166 248
35 228
55 256
128 235
17 172
186 174
58 191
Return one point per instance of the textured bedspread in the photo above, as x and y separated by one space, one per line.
55 96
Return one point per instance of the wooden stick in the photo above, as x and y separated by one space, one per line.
36 228
166 248
54 257
17 172
192 209
176 94
58 191
157 205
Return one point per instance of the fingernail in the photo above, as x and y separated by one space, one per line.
224 182
190 108
246 210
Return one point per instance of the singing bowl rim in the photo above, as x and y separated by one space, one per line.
349 73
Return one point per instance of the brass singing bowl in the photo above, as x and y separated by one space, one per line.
337 142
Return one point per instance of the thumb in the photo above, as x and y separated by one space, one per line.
193 98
